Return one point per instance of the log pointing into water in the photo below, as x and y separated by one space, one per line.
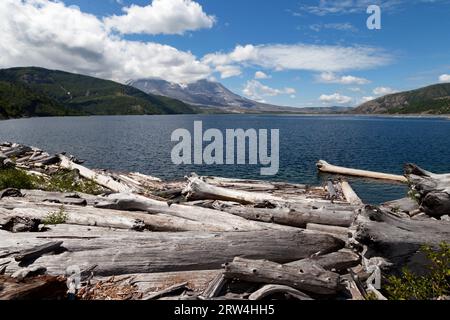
325 167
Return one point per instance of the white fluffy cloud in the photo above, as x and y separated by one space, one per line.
444 78
228 71
302 57
337 7
333 26
52 35
261 75
161 17
367 99
257 91
335 98
329 77
382 91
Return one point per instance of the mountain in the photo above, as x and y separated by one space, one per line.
27 92
206 94
433 99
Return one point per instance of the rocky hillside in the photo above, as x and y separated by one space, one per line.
208 94
28 92
433 99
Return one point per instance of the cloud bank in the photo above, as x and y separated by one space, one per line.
52 35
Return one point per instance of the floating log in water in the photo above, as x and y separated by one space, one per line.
324 166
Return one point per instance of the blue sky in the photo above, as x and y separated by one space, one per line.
306 53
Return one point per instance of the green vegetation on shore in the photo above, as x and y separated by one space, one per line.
433 285
62 181
31 92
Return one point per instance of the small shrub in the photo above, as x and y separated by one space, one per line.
69 181
54 218
431 286
18 179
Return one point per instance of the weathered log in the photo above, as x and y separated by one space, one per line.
270 290
352 288
17 151
215 287
172 289
17 223
38 288
38 251
331 190
261 271
406 205
238 184
197 281
25 216
220 219
130 252
72 198
29 272
339 261
324 166
398 240
197 189
350 195
433 190
338 232
295 215
100 179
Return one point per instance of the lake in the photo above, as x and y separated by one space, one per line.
142 143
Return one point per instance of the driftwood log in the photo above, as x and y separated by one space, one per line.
118 253
272 289
398 240
432 190
224 220
297 215
100 179
324 166
315 279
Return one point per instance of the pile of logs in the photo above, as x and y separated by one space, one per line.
204 238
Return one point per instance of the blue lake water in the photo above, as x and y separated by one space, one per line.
142 143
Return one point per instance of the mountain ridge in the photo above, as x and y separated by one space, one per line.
34 91
206 93
433 99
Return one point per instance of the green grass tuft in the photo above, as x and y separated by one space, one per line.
54 218
431 286
18 179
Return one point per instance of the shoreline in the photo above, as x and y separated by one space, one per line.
337 115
